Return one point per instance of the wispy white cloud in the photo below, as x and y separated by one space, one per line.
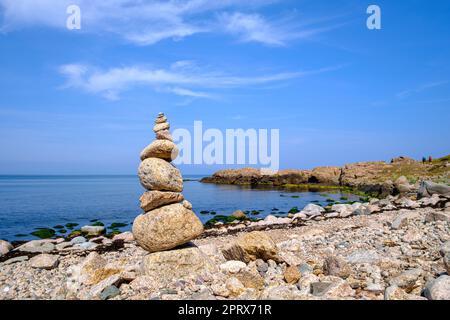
276 32
190 93
402 96
424 87
181 78
146 22
252 28
143 22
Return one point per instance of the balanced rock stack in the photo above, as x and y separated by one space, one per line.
168 220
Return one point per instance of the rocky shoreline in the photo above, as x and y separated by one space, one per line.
393 248
376 177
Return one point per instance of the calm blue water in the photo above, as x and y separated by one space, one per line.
29 202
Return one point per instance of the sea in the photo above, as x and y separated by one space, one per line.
28 203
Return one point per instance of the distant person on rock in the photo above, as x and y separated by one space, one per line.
430 159
424 159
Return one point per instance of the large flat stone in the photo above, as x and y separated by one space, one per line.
154 199
162 149
44 261
37 246
176 264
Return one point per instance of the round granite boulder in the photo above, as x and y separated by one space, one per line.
166 228
158 174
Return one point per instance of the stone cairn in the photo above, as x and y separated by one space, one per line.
168 220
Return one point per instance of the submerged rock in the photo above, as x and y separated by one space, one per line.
93 230
239 214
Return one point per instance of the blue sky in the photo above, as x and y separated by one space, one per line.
84 101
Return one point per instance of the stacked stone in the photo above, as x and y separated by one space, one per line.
168 220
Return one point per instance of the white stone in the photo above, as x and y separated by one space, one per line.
37 246
125 236
438 289
78 240
5 247
44 261
313 210
232 266
235 286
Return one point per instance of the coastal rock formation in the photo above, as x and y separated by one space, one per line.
167 221
374 177
325 175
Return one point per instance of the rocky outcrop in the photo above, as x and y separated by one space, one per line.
325 175
255 176
372 177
